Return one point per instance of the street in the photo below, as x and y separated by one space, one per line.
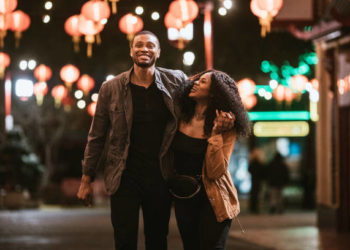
76 228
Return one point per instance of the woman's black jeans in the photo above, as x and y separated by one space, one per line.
198 226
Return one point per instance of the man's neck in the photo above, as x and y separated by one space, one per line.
143 76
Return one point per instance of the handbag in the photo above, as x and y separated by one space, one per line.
184 186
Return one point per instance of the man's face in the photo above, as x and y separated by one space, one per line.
145 50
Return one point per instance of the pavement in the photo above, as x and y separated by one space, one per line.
55 228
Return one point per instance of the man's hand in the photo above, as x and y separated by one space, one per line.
223 122
85 190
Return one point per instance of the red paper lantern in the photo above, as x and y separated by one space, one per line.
42 73
91 108
89 29
7 6
59 92
86 83
40 90
20 22
278 93
265 10
130 25
289 95
298 82
172 22
315 84
270 6
4 63
246 87
250 101
71 26
185 10
96 10
69 74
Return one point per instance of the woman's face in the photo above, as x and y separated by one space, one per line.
201 87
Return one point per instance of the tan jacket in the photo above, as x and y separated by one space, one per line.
217 181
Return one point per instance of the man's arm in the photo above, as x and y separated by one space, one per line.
95 144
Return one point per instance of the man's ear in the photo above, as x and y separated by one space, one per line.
158 53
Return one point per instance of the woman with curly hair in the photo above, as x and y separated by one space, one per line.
201 156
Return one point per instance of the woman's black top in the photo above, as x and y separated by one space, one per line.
189 154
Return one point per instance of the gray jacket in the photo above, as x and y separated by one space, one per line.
111 125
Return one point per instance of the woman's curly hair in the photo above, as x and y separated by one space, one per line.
223 96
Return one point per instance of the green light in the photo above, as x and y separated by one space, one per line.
265 66
274 76
279 116
303 68
267 88
274 68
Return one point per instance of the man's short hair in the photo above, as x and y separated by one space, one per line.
144 32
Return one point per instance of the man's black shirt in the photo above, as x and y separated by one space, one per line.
150 116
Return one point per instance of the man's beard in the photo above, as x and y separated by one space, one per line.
144 64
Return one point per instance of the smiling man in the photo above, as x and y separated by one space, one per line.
135 114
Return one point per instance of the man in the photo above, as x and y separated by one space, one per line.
136 114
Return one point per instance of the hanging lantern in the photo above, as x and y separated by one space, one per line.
5 24
86 83
278 93
185 10
96 10
130 25
91 108
67 103
289 95
7 6
69 74
298 82
265 10
114 6
246 87
89 29
250 101
20 22
40 90
59 92
315 84
43 73
4 63
71 26
172 22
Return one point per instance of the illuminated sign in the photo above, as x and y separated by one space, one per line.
279 116
281 129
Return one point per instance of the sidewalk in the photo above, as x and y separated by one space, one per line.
291 231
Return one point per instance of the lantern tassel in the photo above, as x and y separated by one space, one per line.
57 103
2 72
98 39
18 36
76 41
89 50
39 99
114 6
2 36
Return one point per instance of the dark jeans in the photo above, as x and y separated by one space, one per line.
155 202
198 226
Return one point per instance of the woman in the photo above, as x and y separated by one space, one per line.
200 150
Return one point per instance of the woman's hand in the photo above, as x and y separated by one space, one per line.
224 121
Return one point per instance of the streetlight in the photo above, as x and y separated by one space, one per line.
188 58
24 89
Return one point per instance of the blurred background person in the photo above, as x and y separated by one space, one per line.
256 169
277 179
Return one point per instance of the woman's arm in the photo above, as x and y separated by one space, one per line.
218 154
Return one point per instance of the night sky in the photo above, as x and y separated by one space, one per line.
238 47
